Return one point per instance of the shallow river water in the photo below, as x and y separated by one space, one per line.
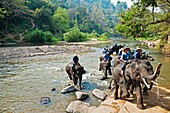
24 81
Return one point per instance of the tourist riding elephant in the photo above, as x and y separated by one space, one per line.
136 73
105 67
76 75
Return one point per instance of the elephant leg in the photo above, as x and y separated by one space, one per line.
139 96
115 90
100 66
75 80
69 75
145 91
110 72
132 88
105 72
80 79
121 92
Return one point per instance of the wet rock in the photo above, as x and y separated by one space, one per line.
99 94
79 107
45 100
81 95
68 89
53 89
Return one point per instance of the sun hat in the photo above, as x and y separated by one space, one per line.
126 48
138 49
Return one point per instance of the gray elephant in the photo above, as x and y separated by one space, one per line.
76 75
136 73
105 66
119 82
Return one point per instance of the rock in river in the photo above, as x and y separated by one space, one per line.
45 100
79 107
81 95
68 89
99 94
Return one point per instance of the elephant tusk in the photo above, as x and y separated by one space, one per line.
154 83
148 86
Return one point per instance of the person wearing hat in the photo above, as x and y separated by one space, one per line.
137 54
126 56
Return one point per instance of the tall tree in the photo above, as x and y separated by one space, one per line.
14 9
61 20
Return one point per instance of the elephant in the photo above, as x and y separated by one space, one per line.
145 55
77 75
119 82
116 48
136 73
105 67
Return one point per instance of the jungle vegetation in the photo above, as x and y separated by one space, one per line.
40 21
146 19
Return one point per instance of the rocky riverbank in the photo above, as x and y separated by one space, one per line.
29 51
21 52
165 49
153 104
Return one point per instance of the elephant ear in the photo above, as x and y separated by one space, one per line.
135 71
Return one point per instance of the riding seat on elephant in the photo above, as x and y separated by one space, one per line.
136 73
75 75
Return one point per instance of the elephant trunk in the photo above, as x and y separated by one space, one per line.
156 73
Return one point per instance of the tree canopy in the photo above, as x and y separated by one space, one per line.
143 20
20 17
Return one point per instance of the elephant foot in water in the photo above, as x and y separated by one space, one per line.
78 87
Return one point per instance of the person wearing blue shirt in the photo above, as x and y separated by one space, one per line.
126 56
137 54
106 49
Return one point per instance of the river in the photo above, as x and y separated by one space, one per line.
24 81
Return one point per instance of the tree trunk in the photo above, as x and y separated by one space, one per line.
6 24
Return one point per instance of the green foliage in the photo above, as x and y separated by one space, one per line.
2 13
38 36
61 19
20 16
10 40
103 37
95 35
74 35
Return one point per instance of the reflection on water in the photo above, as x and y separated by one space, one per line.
23 83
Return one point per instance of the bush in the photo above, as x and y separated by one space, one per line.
103 37
74 35
38 36
10 40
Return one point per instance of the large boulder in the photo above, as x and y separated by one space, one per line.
79 107
99 94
